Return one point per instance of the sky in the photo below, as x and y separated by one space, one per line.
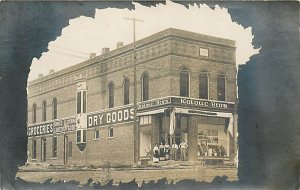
86 35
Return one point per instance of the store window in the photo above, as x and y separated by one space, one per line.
97 135
54 108
203 86
111 95
184 83
209 135
145 87
126 91
221 88
33 156
44 110
54 147
110 132
34 113
78 102
145 120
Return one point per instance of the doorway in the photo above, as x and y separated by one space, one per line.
66 149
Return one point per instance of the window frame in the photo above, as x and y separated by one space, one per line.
207 85
33 149
44 110
145 90
109 132
219 77
111 94
34 113
181 85
95 135
126 91
54 108
54 147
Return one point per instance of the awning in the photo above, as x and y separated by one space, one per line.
210 114
151 112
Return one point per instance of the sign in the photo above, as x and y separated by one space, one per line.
41 129
198 103
110 117
64 125
154 103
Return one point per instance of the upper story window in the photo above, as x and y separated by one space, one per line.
111 95
126 91
54 108
221 88
203 86
145 87
81 97
44 111
34 113
184 83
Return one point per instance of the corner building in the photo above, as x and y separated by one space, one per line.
83 115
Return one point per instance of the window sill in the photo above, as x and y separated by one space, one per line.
54 158
34 159
96 139
110 137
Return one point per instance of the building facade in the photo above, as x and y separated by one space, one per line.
83 115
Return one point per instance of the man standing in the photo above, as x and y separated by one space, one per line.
174 151
183 150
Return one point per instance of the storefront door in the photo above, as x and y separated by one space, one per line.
44 149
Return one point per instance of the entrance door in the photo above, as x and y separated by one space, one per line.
66 149
44 149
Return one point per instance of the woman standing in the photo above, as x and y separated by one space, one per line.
155 154
167 151
161 151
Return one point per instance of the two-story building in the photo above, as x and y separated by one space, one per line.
83 115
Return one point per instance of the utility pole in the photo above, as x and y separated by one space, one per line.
135 124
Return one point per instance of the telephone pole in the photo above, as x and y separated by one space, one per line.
135 124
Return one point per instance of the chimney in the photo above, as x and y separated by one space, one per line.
92 55
105 50
51 71
40 75
119 44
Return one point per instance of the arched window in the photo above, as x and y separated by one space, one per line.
110 95
54 108
145 87
184 83
221 88
203 86
126 91
44 111
34 113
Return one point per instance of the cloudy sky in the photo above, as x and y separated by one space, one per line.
87 35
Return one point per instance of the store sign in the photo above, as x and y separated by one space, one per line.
202 103
64 125
154 103
40 129
110 117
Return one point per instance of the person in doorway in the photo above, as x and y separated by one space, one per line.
183 150
167 151
200 149
174 151
161 151
155 154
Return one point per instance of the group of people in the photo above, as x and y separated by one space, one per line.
212 150
167 152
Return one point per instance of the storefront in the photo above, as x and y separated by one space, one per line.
206 126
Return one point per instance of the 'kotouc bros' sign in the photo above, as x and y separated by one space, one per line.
110 117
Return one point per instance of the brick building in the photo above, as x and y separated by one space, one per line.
83 115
